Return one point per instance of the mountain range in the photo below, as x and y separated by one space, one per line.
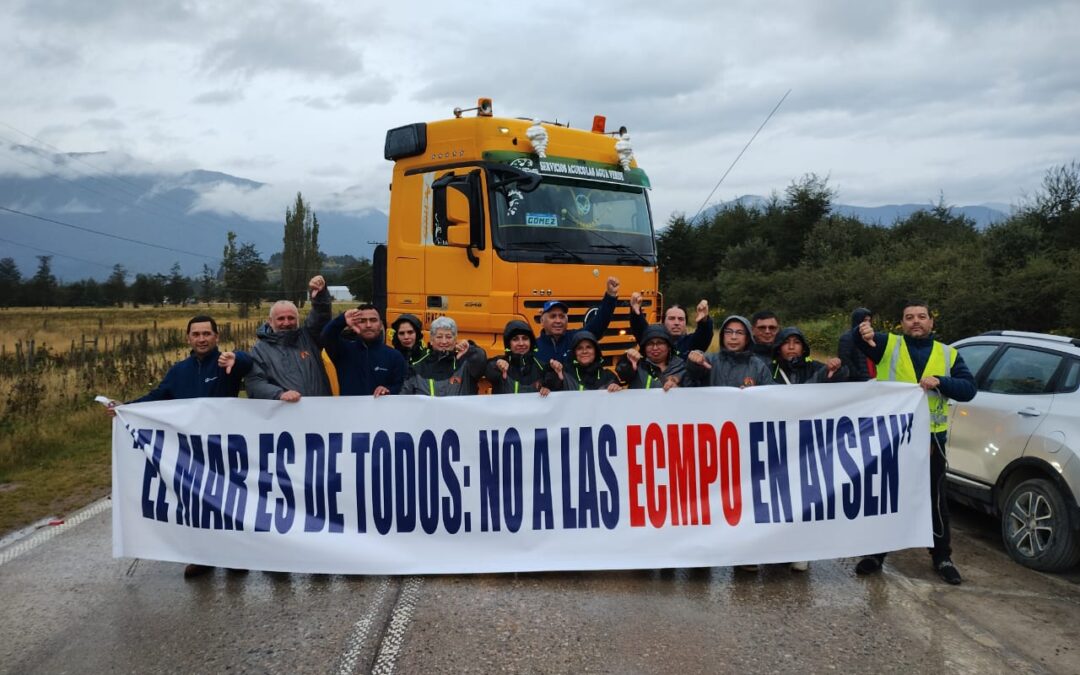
983 215
55 215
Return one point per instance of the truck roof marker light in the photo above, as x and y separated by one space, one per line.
623 149
598 124
538 136
483 108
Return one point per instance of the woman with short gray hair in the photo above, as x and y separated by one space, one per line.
452 368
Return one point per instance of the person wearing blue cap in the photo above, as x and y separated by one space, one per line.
554 341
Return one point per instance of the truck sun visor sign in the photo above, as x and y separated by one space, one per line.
572 168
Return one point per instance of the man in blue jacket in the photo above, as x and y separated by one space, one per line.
205 373
918 358
554 341
366 366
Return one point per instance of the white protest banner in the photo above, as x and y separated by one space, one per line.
574 481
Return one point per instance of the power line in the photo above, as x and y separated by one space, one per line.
739 156
106 234
62 255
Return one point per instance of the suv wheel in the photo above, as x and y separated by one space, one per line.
1036 529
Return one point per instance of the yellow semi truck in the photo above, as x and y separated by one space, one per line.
491 217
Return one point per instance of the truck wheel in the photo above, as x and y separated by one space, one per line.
1036 529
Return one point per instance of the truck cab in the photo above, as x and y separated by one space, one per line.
491 217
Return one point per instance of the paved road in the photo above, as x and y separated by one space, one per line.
69 607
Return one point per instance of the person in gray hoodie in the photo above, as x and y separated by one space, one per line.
655 365
287 358
734 365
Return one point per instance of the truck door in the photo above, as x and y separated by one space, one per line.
458 255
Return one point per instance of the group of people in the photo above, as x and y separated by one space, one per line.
286 364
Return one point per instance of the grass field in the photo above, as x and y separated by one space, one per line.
55 452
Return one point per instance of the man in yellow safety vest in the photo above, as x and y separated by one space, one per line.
918 358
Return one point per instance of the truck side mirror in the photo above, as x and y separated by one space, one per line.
458 220
457 205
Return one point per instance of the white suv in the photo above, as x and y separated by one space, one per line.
1015 448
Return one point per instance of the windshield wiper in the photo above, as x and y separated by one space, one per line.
563 252
622 248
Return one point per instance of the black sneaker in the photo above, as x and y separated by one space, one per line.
947 571
868 565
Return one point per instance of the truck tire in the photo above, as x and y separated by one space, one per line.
1036 527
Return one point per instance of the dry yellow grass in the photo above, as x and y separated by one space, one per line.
57 327
54 439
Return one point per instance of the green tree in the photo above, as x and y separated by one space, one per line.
357 276
84 293
10 282
115 287
300 257
41 288
245 274
208 285
178 288
149 289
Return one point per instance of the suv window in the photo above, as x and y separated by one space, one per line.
1022 371
976 355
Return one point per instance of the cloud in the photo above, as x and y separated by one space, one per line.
313 102
39 52
75 206
375 90
100 124
298 39
94 102
219 97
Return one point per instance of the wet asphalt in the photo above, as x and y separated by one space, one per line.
66 606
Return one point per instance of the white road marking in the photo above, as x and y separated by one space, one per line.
9 553
399 625
362 629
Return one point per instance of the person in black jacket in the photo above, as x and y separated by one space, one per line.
860 367
764 326
792 363
452 368
365 366
518 371
408 338
675 323
655 365
583 370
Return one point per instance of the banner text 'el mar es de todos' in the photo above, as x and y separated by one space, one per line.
574 481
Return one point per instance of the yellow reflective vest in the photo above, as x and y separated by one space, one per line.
896 366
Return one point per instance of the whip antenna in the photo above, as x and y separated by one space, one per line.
739 156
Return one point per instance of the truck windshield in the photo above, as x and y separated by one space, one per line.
566 220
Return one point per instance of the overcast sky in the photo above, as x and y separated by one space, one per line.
895 102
